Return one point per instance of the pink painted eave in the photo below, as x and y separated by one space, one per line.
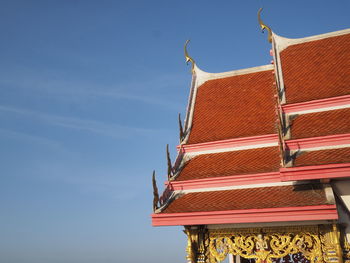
230 143
282 214
316 104
326 171
322 141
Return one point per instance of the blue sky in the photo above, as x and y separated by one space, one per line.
90 92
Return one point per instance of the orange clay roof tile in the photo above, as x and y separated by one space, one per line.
231 163
321 124
233 107
254 198
341 155
317 69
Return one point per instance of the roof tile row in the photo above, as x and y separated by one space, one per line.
341 155
250 161
321 124
252 198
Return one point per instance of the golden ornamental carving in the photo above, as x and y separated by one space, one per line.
332 251
316 243
265 245
188 57
197 244
266 248
346 248
263 26
191 245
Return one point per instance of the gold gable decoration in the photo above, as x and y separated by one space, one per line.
318 243
346 248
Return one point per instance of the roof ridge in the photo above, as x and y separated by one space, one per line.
203 76
284 42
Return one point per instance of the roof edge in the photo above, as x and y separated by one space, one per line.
280 214
238 187
234 144
203 76
283 42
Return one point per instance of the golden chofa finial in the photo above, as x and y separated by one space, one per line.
264 26
188 58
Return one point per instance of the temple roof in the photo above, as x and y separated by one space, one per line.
257 140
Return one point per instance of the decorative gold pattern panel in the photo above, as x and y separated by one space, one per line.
318 243
346 247
264 245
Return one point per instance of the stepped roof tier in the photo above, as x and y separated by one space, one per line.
268 144
233 107
283 202
308 62
248 132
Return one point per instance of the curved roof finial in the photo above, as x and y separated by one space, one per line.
155 192
264 26
187 56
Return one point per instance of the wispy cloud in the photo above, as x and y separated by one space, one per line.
137 98
107 180
31 138
69 89
97 127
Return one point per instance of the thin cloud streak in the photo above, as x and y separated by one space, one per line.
68 90
95 180
143 99
107 129
30 138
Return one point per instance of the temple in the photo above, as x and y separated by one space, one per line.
263 166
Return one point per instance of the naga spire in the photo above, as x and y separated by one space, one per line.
155 192
187 56
181 131
263 26
170 168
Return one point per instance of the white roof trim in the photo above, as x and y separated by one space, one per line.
320 148
203 76
283 42
320 109
232 149
236 187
